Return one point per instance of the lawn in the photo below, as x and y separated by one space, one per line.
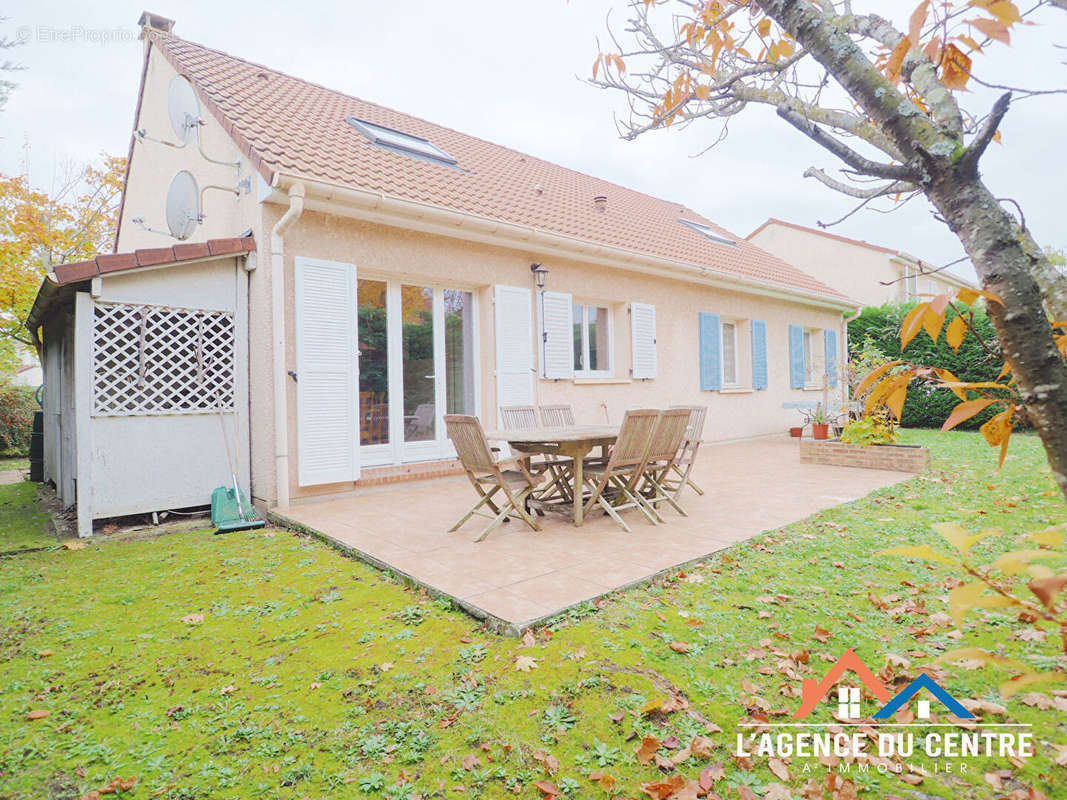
22 526
264 664
14 463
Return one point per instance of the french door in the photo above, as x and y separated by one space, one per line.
418 362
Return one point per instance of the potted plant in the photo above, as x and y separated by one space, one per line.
820 424
796 431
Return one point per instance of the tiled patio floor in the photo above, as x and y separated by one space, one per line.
518 576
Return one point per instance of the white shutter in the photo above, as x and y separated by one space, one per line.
643 330
327 372
557 335
514 347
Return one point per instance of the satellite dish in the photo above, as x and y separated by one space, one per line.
183 205
183 108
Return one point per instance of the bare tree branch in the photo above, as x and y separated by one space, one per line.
897 172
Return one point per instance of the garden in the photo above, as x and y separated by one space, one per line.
265 664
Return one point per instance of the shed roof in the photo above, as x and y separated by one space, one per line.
69 275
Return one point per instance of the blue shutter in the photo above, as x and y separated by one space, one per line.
796 357
830 337
759 354
710 351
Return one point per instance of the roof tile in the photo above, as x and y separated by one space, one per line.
151 257
286 124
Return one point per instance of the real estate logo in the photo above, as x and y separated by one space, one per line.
848 697
856 738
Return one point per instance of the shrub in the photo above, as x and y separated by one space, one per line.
927 407
869 430
17 405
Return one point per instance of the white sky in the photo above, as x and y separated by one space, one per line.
508 72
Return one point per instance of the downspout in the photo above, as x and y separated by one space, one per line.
277 308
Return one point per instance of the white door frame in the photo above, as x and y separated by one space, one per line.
397 451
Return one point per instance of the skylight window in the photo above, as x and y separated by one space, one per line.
399 141
711 234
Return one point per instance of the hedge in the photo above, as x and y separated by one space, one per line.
17 405
927 407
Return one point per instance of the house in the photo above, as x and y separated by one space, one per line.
870 274
331 277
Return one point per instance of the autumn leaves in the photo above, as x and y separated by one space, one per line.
888 384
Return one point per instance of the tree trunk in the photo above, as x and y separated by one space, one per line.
1006 261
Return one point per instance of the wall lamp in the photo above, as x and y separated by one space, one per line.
539 273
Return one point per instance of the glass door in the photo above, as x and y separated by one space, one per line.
418 345
418 362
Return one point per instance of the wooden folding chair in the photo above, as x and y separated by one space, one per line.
613 485
488 477
559 489
516 417
682 467
663 450
557 416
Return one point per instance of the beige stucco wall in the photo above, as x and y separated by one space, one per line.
153 165
380 251
851 268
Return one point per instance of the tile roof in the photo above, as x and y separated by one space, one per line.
151 257
775 221
951 277
297 128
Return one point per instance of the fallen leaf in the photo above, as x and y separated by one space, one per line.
38 714
525 663
647 750
470 762
778 767
193 619
547 787
680 647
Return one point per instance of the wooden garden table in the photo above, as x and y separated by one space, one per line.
573 441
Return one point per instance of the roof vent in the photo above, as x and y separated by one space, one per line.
156 22
600 202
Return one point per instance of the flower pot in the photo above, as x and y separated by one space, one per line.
796 433
820 431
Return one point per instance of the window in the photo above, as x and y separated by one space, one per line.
931 286
403 142
592 340
708 232
729 354
911 284
813 359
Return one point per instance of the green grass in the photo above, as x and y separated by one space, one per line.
22 526
14 462
311 675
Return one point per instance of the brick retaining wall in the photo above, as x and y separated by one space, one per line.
894 457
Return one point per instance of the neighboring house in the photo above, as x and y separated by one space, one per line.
28 372
388 274
868 273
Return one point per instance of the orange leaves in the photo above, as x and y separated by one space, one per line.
891 393
874 375
608 60
997 430
955 67
955 332
969 296
912 324
964 411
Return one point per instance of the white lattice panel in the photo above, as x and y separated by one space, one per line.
160 360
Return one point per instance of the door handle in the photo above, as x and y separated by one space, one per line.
429 376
